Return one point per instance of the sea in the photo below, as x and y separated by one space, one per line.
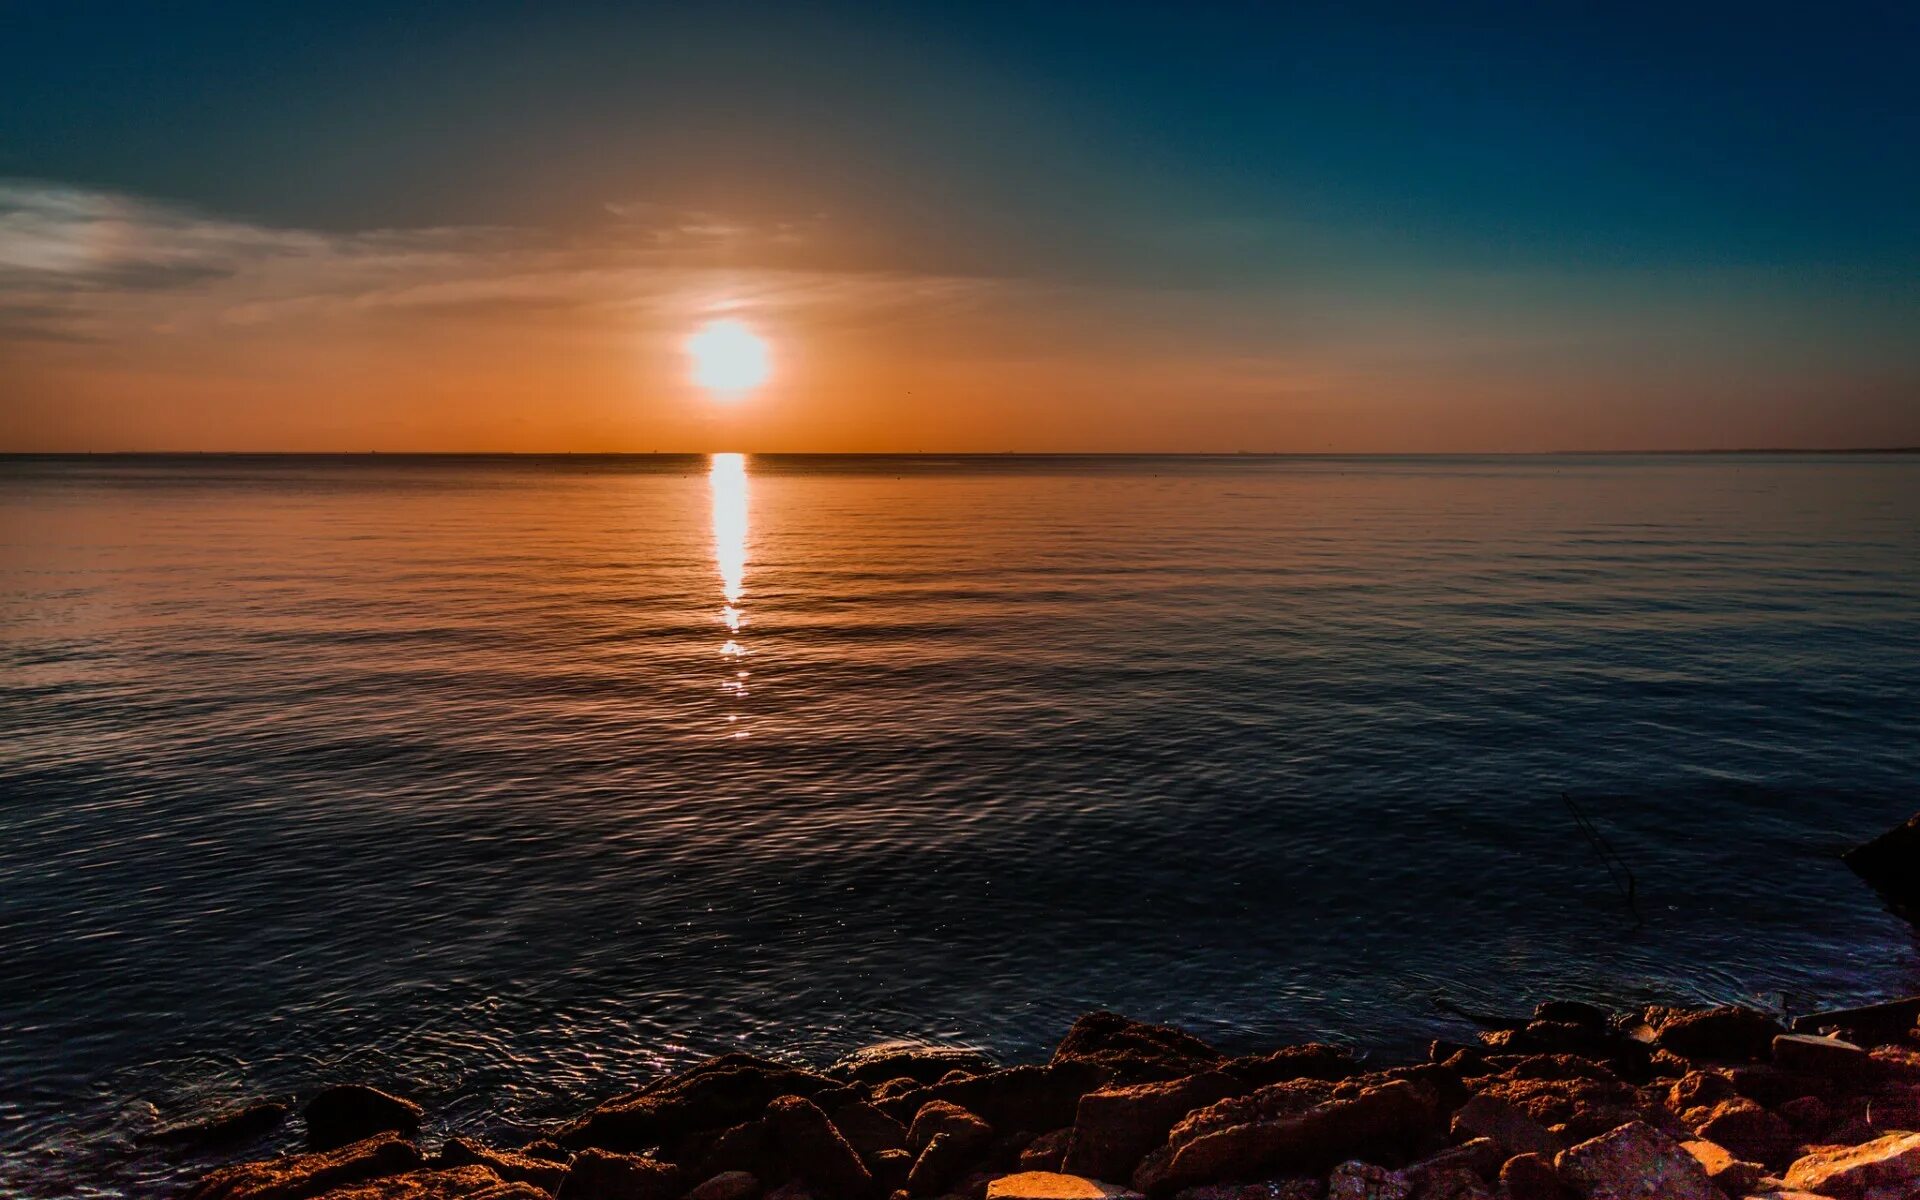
510 783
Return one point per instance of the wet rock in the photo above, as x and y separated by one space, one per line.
1529 1177
902 1060
1828 1056
1313 1060
814 1150
1013 1097
1730 1174
867 1128
1046 1152
1509 1127
716 1094
728 1185
1364 1181
1391 1120
470 1182
1729 1033
1890 864
1115 1127
1133 1051
1049 1185
521 1168
1748 1130
1635 1162
1888 1165
603 1175
348 1112
942 1116
295 1176
222 1128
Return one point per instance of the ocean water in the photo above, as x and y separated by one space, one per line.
511 782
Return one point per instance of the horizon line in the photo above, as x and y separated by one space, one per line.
1701 451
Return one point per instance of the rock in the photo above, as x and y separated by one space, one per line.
1510 1128
299 1175
1635 1162
905 1060
1133 1051
1827 1056
1888 1163
814 1150
1561 1090
1390 1119
349 1112
1272 1189
1770 1087
714 1095
1364 1181
1872 1022
602 1175
1050 1185
866 1128
1529 1177
1748 1130
1729 1033
1012 1097
1575 1012
1895 1108
1700 1089
943 1161
1807 1114
728 1185
1480 1158
222 1128
1732 1175
891 1170
471 1182
1890 864
943 1116
1313 1060
1115 1127
548 1151
1046 1152
461 1151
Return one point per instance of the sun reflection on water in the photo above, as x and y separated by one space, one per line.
728 480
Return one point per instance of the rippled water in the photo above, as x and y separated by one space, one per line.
509 782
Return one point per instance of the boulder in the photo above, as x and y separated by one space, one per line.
295 1176
942 1162
717 1094
1575 1012
521 1168
1890 864
1046 1152
1894 1108
1700 1089
470 1182
1809 1115
866 1128
1887 1165
1829 1056
1313 1060
1730 1174
1050 1185
1729 1033
904 1060
728 1185
1529 1177
813 1149
349 1112
943 1116
1487 1116
603 1175
1132 1051
1115 1127
1013 1097
1391 1119
1748 1130
1635 1162
1364 1181
1869 1023
1480 1158
223 1128
891 1169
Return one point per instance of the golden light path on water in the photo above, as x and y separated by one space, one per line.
727 479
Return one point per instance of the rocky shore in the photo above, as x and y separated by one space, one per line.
1573 1103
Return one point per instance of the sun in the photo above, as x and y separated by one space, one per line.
729 357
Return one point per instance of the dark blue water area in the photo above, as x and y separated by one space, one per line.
511 783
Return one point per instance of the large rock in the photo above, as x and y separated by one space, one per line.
903 1060
1748 1130
866 1128
1013 1097
1389 1120
1889 1165
1365 1181
1584 1097
1133 1051
1829 1056
1890 864
1730 1174
943 1116
470 1182
521 1168
716 1094
1115 1127
602 1175
728 1185
224 1128
348 1112
298 1176
1635 1162
1049 1185
1311 1060
1728 1033
1515 1132
1529 1177
814 1150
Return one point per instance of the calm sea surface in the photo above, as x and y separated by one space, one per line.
512 782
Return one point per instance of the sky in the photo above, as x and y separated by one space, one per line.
962 227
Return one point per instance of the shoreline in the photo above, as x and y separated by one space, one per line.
1571 1103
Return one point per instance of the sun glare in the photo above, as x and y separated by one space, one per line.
729 357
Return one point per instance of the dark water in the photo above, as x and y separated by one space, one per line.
512 782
